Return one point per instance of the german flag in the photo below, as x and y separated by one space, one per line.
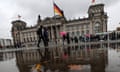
57 10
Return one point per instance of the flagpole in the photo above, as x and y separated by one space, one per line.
53 7
57 10
55 35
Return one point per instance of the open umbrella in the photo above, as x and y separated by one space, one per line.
62 33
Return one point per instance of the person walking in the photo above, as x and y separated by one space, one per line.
40 34
46 40
39 40
68 42
43 34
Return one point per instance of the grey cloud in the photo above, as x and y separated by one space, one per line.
70 7
29 10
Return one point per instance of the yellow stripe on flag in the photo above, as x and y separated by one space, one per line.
57 10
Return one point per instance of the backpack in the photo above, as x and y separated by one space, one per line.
46 35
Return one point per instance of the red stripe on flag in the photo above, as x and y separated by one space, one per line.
57 10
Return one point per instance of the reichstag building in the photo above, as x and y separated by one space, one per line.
96 22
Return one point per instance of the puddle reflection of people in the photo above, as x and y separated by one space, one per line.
65 56
46 44
68 42
43 34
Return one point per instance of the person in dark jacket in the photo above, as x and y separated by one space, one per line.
42 34
68 38
47 53
76 41
68 42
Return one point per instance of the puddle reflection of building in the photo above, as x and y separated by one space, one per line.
1 56
26 59
98 63
97 59
6 56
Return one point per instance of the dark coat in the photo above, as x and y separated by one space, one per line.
68 38
39 32
46 34
43 35
76 39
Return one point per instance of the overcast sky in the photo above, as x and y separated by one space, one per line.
30 9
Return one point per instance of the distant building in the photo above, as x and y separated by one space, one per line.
95 23
6 43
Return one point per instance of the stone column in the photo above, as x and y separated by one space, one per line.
51 32
57 33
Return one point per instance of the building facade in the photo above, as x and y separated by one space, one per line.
6 43
96 22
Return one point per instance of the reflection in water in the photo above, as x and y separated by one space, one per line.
114 60
74 59
7 56
80 59
8 66
71 59
83 68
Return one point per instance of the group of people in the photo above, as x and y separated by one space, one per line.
43 35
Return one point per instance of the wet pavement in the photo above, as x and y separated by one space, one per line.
8 66
80 60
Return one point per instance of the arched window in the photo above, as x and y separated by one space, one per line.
97 27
